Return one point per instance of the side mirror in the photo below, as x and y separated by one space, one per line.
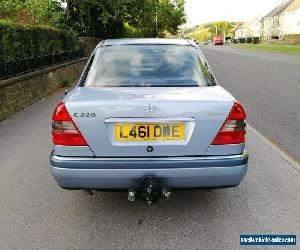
66 92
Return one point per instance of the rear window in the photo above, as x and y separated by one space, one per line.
148 66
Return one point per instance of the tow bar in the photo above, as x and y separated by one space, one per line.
149 190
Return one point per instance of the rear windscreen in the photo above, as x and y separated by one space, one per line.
148 66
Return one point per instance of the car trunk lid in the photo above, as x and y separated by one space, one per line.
199 111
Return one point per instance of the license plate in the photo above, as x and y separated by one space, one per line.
149 132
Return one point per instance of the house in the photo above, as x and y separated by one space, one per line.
249 29
282 21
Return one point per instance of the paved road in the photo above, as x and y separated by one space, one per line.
36 214
268 85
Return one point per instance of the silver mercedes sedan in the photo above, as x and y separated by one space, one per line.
148 116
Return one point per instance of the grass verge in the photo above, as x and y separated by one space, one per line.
292 49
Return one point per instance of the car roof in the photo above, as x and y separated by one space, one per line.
146 41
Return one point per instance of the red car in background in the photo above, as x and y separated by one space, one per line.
218 40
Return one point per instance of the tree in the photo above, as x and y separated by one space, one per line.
32 11
96 17
142 15
106 18
220 28
99 18
156 16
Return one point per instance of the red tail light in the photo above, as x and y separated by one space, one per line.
64 131
233 130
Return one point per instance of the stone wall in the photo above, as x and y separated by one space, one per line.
292 39
88 44
19 92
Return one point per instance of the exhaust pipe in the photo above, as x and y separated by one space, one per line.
131 194
166 193
149 190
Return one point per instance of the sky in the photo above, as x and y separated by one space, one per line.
202 11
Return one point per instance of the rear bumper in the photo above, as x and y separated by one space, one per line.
123 173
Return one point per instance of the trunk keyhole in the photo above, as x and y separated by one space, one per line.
149 149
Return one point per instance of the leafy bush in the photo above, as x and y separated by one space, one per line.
129 31
29 12
17 41
65 83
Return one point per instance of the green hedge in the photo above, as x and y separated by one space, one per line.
130 32
18 41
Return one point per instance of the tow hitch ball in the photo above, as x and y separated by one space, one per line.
149 190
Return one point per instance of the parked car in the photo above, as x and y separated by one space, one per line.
228 39
218 40
235 40
148 114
